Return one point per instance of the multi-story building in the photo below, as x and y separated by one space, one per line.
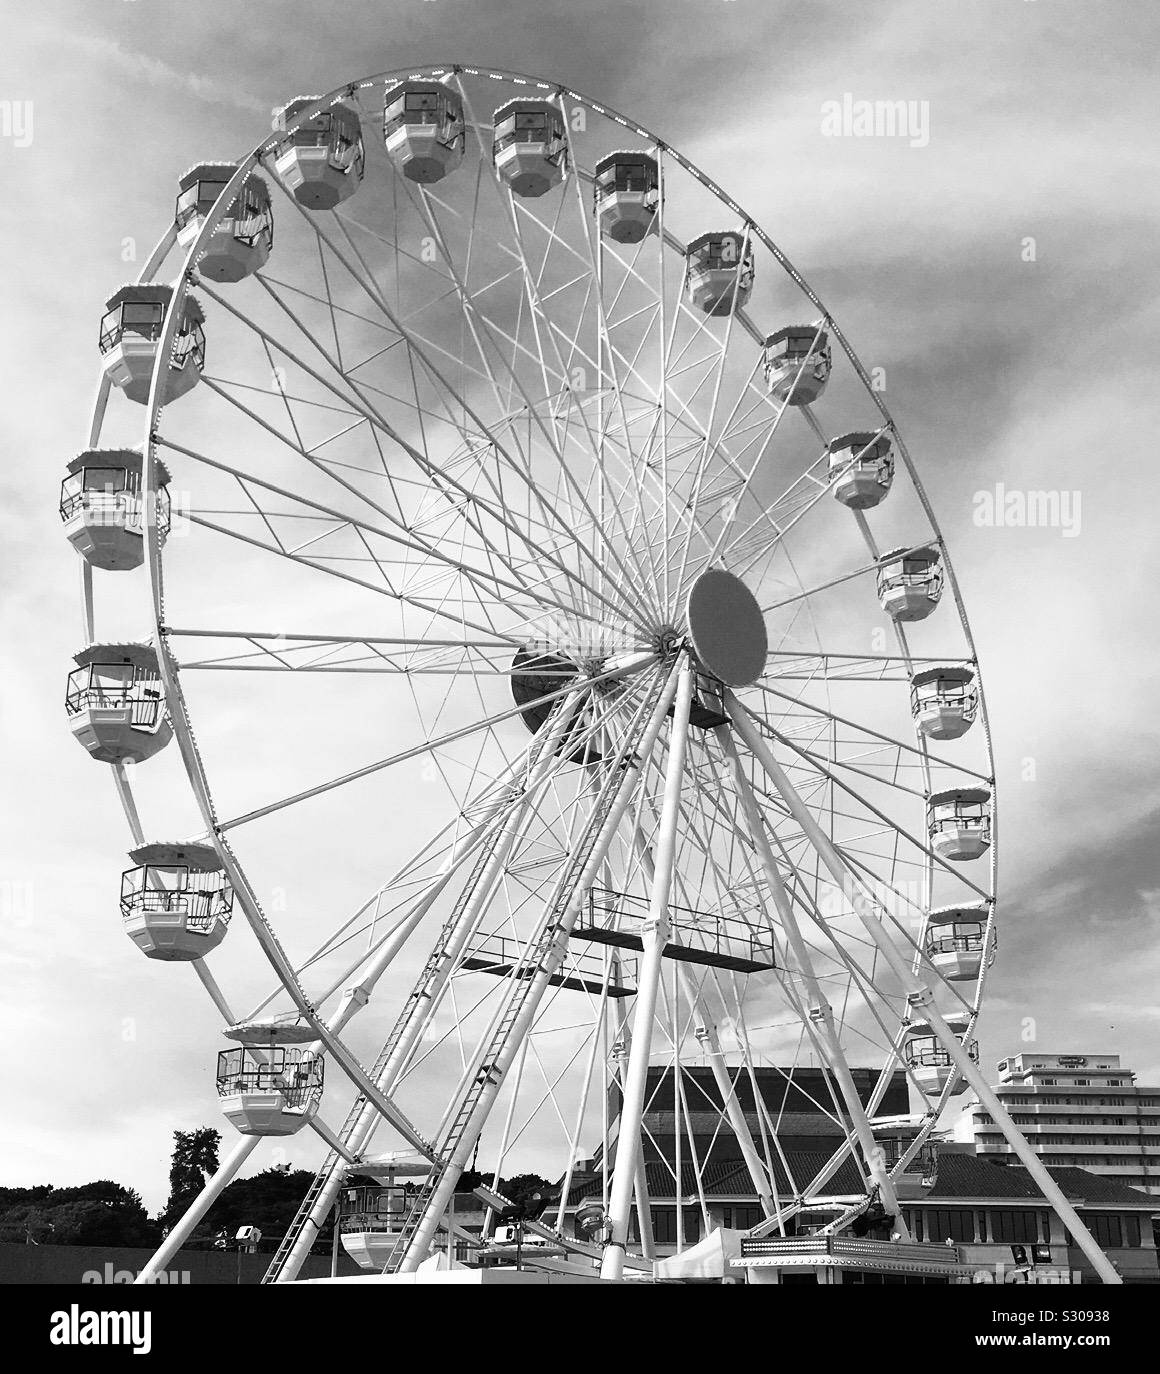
1080 1111
989 1217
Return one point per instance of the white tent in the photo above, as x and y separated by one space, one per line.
711 1258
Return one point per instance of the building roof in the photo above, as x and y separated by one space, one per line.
961 1177
1095 1188
705 1125
969 1176
730 1178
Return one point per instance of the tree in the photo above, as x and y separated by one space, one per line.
99 1213
194 1160
520 1190
268 1200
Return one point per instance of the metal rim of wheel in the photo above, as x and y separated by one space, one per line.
440 409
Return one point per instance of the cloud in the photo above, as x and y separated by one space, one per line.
157 73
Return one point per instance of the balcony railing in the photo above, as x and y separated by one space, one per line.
698 937
582 972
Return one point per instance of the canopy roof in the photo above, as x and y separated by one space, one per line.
206 171
951 672
525 105
959 911
927 553
960 794
857 439
703 240
417 85
127 458
285 1029
178 853
148 292
286 114
796 330
222 171
154 293
113 654
958 1021
623 155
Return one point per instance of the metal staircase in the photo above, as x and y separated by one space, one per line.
402 1024
541 956
521 979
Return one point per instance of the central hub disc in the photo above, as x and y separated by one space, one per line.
727 628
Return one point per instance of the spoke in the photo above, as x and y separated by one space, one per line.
494 511
425 747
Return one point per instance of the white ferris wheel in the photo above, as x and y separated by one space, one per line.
562 666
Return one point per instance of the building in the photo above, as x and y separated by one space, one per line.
990 1220
798 1103
1077 1111
996 1215
970 1218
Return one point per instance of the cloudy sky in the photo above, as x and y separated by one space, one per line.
1000 267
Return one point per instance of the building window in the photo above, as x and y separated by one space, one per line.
741 1218
949 1224
664 1224
1113 1232
1015 1227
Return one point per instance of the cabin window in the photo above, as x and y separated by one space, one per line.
104 479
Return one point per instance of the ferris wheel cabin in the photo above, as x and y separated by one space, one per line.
372 1215
927 1057
530 148
242 240
115 703
102 509
959 821
130 330
626 189
423 130
910 582
944 701
955 939
861 468
797 364
719 272
176 903
322 162
895 1137
273 1091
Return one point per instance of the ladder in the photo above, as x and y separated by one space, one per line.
540 955
402 1024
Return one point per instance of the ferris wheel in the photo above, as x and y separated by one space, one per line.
561 668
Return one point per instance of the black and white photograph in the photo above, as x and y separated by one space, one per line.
602 556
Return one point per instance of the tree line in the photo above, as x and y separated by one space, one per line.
108 1213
